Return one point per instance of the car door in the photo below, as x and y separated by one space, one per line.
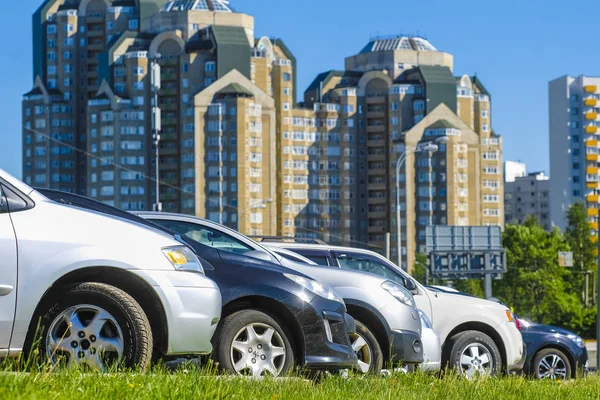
367 263
8 272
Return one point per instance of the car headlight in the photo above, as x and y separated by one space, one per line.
320 289
399 293
183 259
577 339
425 321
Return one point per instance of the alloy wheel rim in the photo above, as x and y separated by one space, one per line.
552 366
363 352
257 350
475 360
85 335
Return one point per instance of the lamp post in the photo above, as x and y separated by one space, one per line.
428 147
261 206
155 81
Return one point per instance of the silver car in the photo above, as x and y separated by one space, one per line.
387 320
432 349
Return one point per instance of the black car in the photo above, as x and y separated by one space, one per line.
273 318
552 352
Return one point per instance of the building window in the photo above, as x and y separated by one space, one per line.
485 113
485 127
138 71
286 106
419 105
286 91
209 66
133 24
287 77
138 100
51 29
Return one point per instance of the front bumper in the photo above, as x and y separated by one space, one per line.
521 364
432 351
513 344
406 347
192 305
325 327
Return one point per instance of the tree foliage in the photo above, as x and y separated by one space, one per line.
535 286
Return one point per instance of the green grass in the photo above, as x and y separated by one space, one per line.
194 385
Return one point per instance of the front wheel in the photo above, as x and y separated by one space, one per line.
473 353
251 342
92 325
366 347
551 364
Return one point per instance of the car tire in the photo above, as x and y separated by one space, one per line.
473 353
551 364
242 345
112 329
367 349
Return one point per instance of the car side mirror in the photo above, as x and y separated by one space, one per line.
411 286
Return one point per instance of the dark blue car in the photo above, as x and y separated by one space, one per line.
553 353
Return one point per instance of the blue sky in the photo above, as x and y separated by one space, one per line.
515 47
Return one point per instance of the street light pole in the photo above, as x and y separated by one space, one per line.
156 123
428 147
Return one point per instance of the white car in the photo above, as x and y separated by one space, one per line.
478 336
94 290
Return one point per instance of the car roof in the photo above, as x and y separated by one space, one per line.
321 247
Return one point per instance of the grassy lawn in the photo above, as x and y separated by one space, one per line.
194 385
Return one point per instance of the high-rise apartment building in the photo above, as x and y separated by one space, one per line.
574 147
528 195
235 146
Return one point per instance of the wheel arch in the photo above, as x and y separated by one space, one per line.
136 287
374 322
278 311
475 326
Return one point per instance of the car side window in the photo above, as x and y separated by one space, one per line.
318 257
206 236
366 263
3 202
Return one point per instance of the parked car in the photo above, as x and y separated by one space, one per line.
273 318
96 290
388 326
477 336
430 340
553 353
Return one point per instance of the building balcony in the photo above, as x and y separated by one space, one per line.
591 143
591 157
376 157
591 129
169 122
96 46
592 198
591 116
377 186
166 151
593 185
375 128
375 99
168 92
594 239
591 170
376 229
376 143
594 226
592 212
168 107
377 214
590 88
377 200
375 114
95 33
591 102
168 77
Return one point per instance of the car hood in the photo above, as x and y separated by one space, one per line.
532 327
214 255
335 277
459 299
